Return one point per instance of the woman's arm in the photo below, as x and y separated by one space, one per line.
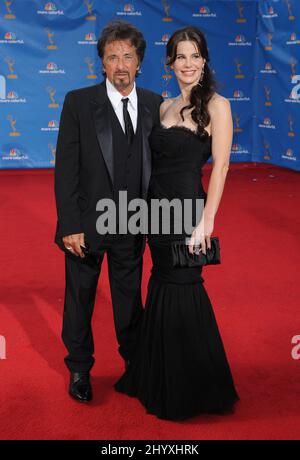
222 132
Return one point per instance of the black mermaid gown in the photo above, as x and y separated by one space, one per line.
180 367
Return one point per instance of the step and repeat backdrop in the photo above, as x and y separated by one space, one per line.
49 48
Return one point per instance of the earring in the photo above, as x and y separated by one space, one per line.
201 76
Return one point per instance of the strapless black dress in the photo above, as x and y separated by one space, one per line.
180 367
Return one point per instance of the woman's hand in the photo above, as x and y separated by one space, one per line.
200 239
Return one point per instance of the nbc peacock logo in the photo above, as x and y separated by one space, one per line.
52 68
267 123
289 155
129 10
10 38
52 125
293 39
12 95
239 149
14 154
204 11
50 9
237 93
163 41
271 13
268 69
89 39
238 96
166 94
236 148
240 40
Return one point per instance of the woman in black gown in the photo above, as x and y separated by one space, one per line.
180 368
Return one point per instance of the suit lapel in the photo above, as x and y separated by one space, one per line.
100 109
146 124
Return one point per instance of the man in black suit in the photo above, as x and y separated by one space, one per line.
103 148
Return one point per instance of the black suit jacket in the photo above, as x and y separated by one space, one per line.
84 157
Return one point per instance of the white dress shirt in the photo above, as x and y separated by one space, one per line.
116 100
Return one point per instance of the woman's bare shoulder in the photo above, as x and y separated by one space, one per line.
218 102
165 105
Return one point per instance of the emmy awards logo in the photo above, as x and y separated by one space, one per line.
289 7
293 63
238 65
237 120
269 45
53 153
10 62
9 14
50 35
89 5
267 90
166 8
90 63
2 347
291 132
13 122
166 75
267 155
241 8
53 104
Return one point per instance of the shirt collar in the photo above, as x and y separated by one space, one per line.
116 97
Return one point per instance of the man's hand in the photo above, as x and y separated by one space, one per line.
73 242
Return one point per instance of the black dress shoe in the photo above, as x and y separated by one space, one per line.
80 387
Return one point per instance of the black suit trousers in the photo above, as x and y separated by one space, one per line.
124 257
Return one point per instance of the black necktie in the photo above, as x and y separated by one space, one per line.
127 121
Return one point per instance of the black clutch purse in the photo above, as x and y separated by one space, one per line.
182 258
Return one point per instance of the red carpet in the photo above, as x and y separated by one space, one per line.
255 293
